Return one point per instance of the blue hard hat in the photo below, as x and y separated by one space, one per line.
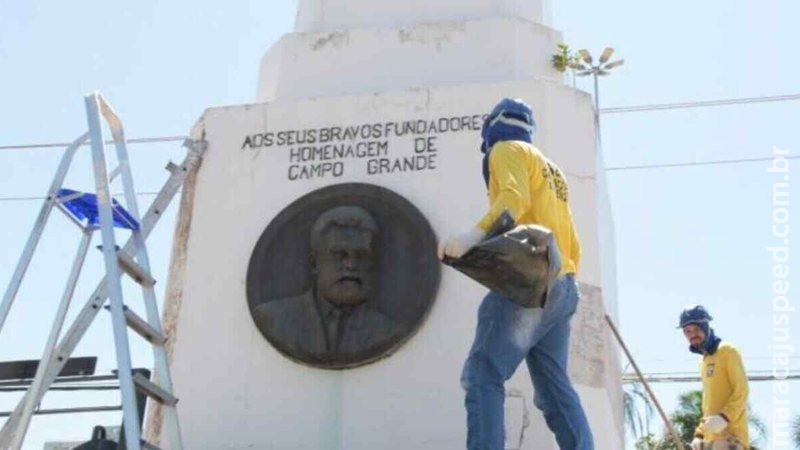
513 108
694 315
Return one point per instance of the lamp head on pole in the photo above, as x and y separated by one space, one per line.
606 55
585 56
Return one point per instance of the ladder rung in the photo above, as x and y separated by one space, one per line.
153 390
135 271
147 446
115 173
141 326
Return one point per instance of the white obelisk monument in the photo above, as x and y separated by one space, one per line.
406 82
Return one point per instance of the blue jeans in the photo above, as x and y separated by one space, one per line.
507 334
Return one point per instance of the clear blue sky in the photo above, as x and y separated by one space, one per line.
684 235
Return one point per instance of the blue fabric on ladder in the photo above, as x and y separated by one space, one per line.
84 207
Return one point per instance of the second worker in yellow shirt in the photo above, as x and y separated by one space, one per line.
725 385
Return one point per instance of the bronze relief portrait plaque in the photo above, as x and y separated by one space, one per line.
343 276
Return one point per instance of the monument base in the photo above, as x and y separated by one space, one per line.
238 392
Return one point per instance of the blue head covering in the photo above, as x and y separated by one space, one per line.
710 344
511 120
697 315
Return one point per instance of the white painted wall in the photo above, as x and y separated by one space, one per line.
238 392
303 65
331 15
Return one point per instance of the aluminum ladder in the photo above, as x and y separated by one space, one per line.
92 212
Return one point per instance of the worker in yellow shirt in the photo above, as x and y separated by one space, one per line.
725 390
534 190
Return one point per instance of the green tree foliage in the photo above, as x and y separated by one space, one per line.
685 420
564 59
637 409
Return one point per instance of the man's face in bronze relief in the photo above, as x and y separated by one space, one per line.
344 258
345 266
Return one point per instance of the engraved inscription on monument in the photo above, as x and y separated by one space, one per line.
381 148
343 276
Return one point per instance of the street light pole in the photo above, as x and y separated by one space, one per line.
600 69
596 98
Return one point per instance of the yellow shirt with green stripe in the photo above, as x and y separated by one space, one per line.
534 190
725 392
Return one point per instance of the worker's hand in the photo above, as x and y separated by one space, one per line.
456 245
715 424
697 444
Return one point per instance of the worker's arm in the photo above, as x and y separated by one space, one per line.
511 170
736 406
576 246
699 432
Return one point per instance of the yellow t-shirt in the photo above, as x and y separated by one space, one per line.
725 392
534 190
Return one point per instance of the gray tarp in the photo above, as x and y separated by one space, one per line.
517 262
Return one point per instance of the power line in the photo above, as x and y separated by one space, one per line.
98 387
147 140
608 169
700 104
86 409
667 378
694 372
694 163
612 110
694 358
25 199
